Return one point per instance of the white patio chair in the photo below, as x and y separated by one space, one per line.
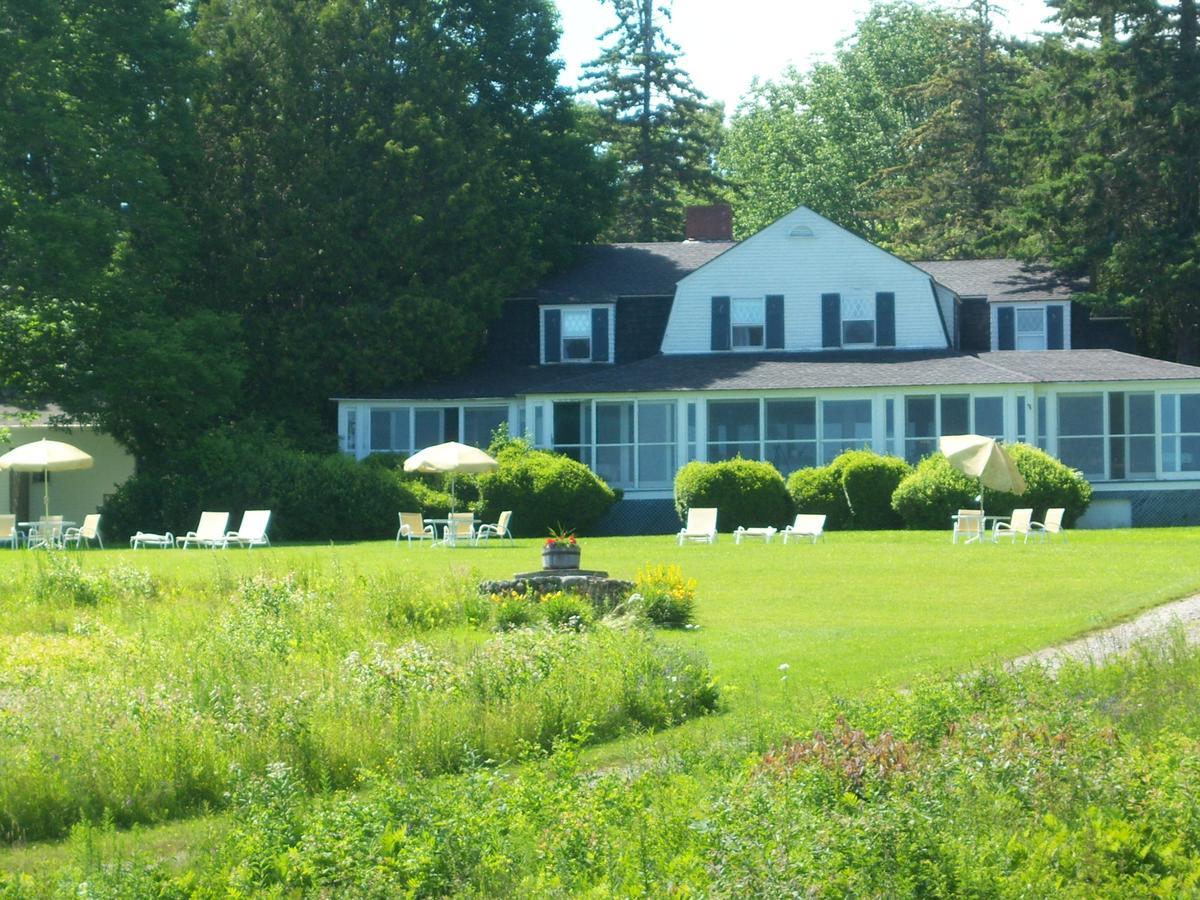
209 533
968 524
8 531
89 531
807 525
500 529
413 526
460 528
1018 524
253 530
701 525
1052 525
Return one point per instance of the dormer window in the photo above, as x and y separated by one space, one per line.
748 324
858 322
577 335
1031 329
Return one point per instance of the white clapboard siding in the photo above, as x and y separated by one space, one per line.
802 268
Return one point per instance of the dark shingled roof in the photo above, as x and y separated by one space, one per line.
803 371
605 272
997 279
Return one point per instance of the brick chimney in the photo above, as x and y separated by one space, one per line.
709 223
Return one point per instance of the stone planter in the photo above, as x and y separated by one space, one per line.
555 557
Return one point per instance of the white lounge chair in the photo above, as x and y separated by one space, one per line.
701 525
149 539
413 526
968 524
209 533
89 531
807 525
253 530
1052 525
8 531
500 529
1018 524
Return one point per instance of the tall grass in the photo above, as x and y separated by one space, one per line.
123 705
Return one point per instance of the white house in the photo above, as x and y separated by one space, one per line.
793 345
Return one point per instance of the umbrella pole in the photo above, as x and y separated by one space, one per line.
453 501
46 491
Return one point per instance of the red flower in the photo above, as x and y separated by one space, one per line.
572 540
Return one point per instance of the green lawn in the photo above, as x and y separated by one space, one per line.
854 611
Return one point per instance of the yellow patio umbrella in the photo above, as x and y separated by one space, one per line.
983 458
45 456
451 458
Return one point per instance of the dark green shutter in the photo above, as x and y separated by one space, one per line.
885 319
1054 327
831 320
774 322
552 329
720 323
600 334
1006 328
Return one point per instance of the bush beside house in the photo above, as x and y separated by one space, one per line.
744 491
818 491
935 491
543 490
853 491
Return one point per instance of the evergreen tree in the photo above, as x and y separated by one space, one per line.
655 124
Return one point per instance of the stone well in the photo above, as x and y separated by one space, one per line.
604 592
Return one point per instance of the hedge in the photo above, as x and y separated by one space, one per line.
818 491
543 490
935 491
853 491
313 497
744 491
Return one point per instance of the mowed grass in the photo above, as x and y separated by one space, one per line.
855 611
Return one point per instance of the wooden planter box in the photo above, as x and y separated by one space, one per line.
560 557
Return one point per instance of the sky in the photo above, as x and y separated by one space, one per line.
727 43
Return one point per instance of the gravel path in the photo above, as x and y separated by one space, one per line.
1119 639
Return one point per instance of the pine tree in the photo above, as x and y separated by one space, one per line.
655 124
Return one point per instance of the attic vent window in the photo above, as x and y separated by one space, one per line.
801 231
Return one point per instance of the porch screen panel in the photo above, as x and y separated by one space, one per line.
428 430
732 429
989 416
920 427
1180 414
656 445
1081 433
615 443
381 430
480 422
956 412
845 425
791 434
573 430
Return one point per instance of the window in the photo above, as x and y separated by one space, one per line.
1131 435
1042 424
656 444
989 416
858 321
732 429
956 413
691 432
747 320
846 425
350 439
428 428
577 335
889 416
615 443
390 430
1081 433
1031 329
791 434
1022 418
1181 432
920 427
573 430
479 422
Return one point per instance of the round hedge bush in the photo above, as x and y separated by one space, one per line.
744 491
543 490
818 491
935 491
868 482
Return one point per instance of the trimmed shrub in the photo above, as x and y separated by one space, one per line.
744 491
935 491
818 491
543 490
312 496
868 482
